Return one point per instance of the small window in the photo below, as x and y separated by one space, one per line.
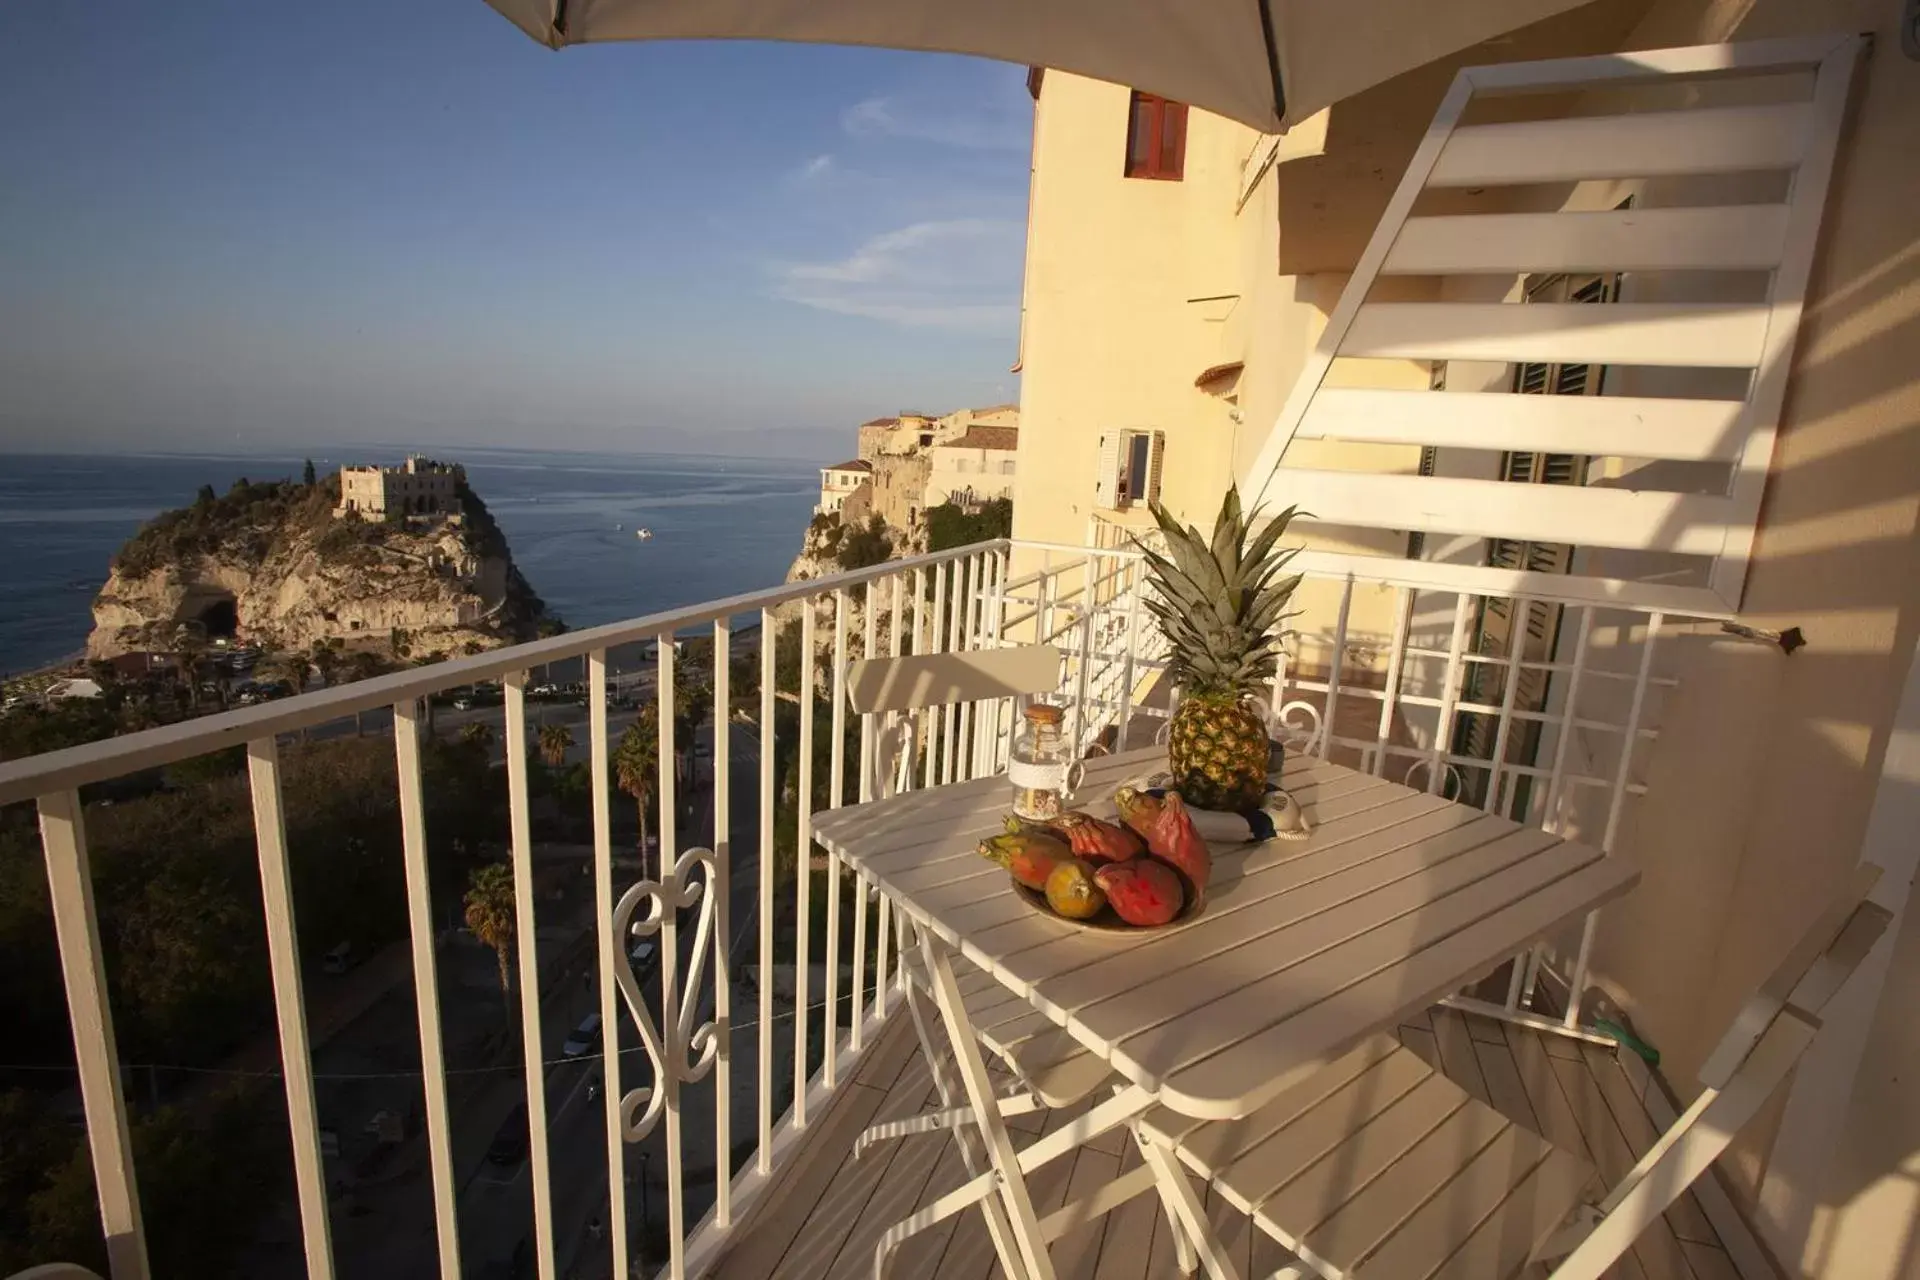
1128 469
1156 137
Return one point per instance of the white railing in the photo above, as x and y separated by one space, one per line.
735 1059
1542 708
677 1087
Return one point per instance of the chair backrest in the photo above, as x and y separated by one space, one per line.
887 686
1767 1039
941 679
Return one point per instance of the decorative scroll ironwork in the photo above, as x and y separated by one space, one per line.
1452 775
687 1053
1304 738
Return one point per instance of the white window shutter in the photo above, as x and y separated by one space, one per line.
1106 477
1561 345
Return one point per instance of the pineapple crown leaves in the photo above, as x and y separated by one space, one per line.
1221 597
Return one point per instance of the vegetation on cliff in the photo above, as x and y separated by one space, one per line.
950 526
247 521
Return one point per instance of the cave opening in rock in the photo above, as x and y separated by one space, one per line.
221 618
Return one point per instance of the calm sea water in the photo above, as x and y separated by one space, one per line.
720 526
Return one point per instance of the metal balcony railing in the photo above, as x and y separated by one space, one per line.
816 1013
1541 709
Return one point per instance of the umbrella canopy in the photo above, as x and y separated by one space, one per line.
1266 63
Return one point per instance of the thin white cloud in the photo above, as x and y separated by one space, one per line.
961 274
985 124
815 169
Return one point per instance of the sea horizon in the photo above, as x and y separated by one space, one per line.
721 525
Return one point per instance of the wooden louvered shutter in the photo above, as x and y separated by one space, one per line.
1106 476
1791 128
1153 466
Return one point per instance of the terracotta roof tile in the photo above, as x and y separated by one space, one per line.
983 437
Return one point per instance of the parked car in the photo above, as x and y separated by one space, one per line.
584 1037
639 952
509 1145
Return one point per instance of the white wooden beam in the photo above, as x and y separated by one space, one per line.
1680 523
1557 588
1822 1095
1650 144
1728 238
1789 293
1615 70
1702 335
1602 426
1364 272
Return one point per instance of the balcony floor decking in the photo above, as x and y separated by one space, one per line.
826 1211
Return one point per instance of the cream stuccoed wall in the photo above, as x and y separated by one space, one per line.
1133 288
1128 281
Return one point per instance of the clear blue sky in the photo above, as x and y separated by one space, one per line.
360 220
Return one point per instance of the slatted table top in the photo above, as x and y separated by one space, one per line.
1304 948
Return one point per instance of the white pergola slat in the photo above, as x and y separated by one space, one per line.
1632 426
1651 144
1684 523
1712 523
1734 238
1676 334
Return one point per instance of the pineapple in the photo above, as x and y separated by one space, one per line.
1219 601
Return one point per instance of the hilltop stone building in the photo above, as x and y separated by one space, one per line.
417 487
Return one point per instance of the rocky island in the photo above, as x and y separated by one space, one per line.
361 557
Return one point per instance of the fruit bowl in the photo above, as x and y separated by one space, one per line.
1105 921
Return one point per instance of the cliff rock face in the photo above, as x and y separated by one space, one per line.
271 564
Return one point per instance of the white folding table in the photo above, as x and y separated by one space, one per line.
1303 950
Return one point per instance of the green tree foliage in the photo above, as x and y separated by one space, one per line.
950 526
30 729
489 913
207 1176
307 476
177 889
863 548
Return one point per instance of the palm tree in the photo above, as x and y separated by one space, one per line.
636 764
190 655
490 915
555 740
326 657
478 734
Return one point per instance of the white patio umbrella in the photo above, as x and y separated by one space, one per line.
1267 63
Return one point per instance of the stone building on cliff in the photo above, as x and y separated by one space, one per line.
417 487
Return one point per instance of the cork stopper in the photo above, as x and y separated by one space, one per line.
1045 713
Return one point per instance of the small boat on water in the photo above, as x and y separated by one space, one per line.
644 535
617 528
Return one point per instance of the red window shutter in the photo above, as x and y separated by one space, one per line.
1156 137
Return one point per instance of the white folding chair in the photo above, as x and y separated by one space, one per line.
1049 1068
1380 1167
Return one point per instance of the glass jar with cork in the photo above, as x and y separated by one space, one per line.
1041 767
